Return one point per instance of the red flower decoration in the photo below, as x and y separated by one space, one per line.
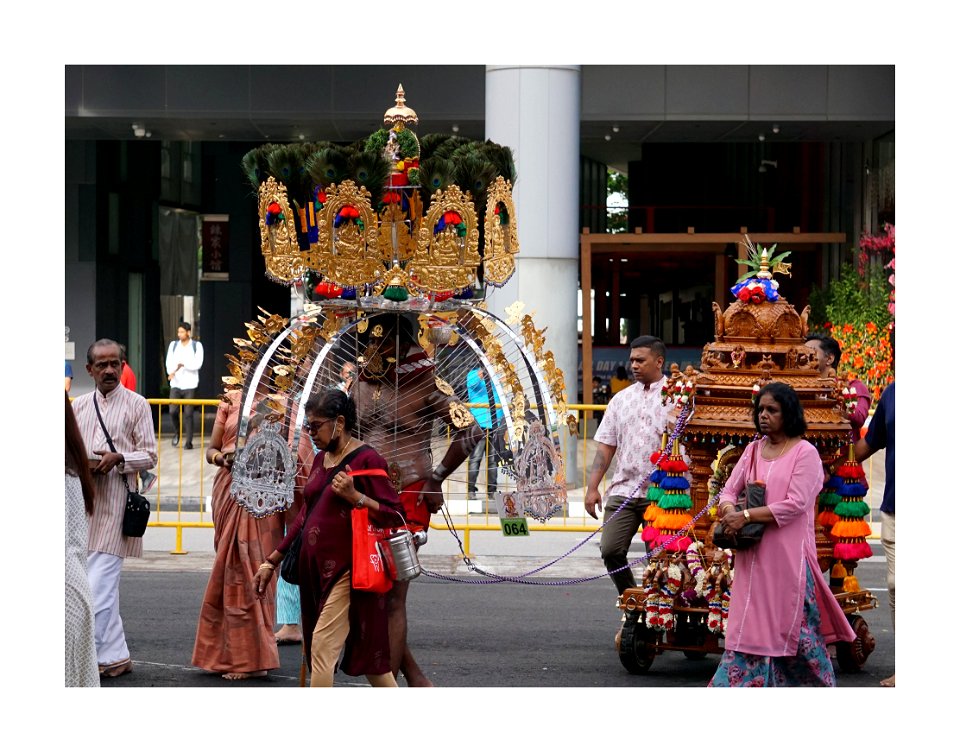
391 197
445 295
744 294
274 208
452 218
322 197
758 295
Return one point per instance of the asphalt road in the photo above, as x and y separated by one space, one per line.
463 634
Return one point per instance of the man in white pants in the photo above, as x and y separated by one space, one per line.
129 423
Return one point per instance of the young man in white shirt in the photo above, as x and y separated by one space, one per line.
184 360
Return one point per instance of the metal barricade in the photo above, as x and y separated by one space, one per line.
184 481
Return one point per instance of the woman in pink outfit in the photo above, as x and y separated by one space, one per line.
782 612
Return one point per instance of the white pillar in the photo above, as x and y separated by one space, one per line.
535 110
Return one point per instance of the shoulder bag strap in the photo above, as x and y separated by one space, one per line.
123 476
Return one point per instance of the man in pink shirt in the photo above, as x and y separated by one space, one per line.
631 428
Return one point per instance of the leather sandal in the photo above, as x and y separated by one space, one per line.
113 670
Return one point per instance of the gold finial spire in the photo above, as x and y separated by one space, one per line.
400 113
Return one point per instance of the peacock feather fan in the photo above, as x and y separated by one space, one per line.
502 160
328 165
370 170
285 163
254 165
436 173
444 146
474 173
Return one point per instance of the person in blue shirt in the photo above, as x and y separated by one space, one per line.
480 394
880 435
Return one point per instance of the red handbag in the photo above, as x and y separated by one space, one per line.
368 572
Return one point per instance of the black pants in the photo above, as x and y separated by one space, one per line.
185 410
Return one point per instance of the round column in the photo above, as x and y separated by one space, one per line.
535 110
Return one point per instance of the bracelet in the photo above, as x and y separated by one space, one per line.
359 504
268 565
218 454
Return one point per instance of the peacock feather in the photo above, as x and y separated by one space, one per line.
474 173
436 173
369 169
328 165
502 160
254 165
285 164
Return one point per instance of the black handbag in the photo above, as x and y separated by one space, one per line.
290 566
750 534
136 512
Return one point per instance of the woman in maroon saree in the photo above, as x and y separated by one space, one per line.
334 615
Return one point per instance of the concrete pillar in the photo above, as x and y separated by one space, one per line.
535 110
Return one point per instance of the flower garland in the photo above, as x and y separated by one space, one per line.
715 589
651 591
669 589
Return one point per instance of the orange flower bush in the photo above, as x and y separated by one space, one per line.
857 311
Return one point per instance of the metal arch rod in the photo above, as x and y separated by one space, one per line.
521 346
312 376
478 351
257 374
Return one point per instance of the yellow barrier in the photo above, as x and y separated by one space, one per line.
193 471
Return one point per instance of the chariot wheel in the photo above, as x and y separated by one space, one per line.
852 655
636 646
694 655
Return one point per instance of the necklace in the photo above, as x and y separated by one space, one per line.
782 449
336 460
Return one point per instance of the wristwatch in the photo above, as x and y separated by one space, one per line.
746 515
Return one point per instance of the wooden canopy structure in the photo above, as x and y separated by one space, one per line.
675 243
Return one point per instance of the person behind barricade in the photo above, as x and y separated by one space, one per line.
184 361
334 615
619 381
117 427
235 635
881 435
481 397
631 428
782 613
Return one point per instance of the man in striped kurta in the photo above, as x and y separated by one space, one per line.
129 421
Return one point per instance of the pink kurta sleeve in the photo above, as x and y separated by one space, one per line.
804 485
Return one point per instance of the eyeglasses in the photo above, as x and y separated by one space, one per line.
317 425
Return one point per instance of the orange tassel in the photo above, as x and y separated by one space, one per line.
653 511
838 571
850 584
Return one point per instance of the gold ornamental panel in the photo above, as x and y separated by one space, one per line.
278 241
447 260
347 255
500 239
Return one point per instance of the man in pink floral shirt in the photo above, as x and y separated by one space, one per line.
631 428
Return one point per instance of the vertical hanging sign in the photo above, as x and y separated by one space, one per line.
215 242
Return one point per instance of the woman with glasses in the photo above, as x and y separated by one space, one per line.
235 635
346 474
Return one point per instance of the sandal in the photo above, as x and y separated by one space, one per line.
113 670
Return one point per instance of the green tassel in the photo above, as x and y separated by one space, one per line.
654 494
829 499
857 508
397 293
675 501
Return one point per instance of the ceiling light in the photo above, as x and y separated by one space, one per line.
776 129
607 137
138 130
761 137
616 129
455 128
